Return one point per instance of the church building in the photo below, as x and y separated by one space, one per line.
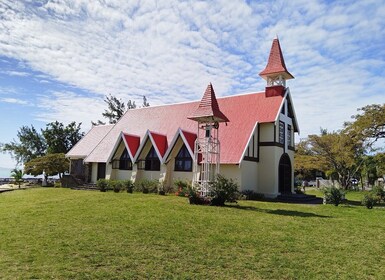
247 137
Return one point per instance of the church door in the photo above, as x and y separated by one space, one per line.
284 174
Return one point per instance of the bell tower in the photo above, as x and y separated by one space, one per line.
207 145
275 72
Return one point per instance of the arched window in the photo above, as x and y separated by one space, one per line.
183 161
152 161
125 161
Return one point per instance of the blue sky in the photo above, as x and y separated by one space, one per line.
59 58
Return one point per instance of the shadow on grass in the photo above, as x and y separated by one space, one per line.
279 212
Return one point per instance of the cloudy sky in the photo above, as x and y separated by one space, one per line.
58 58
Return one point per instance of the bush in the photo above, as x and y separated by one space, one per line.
147 186
116 185
369 200
223 190
378 193
333 196
128 186
195 198
102 185
251 195
183 187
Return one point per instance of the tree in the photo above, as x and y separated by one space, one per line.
369 126
31 144
51 164
306 164
145 103
339 153
116 109
17 174
60 138
55 138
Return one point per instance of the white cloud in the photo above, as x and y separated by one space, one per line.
14 101
170 50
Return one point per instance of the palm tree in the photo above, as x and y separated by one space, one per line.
17 174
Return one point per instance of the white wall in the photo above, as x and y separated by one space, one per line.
94 174
249 171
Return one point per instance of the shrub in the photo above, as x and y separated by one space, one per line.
195 198
182 187
378 193
298 189
333 196
102 185
116 185
147 186
251 195
128 186
223 190
369 200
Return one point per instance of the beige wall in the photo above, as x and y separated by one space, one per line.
267 132
268 166
94 174
231 171
249 171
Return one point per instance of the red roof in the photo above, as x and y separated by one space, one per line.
276 63
190 138
132 143
244 111
208 109
160 141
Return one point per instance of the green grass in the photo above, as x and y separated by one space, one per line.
65 234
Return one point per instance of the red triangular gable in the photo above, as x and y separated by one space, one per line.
208 109
190 139
132 143
160 141
276 63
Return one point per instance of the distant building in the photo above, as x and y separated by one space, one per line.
254 133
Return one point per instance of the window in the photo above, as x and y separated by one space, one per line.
281 133
125 161
183 161
152 161
289 135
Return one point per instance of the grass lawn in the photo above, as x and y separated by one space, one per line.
66 234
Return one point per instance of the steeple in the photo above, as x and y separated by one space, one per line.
207 145
208 109
275 72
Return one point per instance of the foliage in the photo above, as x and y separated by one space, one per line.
31 144
55 138
183 187
103 185
195 197
223 190
369 125
17 174
369 200
117 185
251 195
337 152
333 195
51 164
128 186
147 186
116 108
60 138
379 193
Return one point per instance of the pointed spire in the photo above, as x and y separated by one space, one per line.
208 109
276 64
